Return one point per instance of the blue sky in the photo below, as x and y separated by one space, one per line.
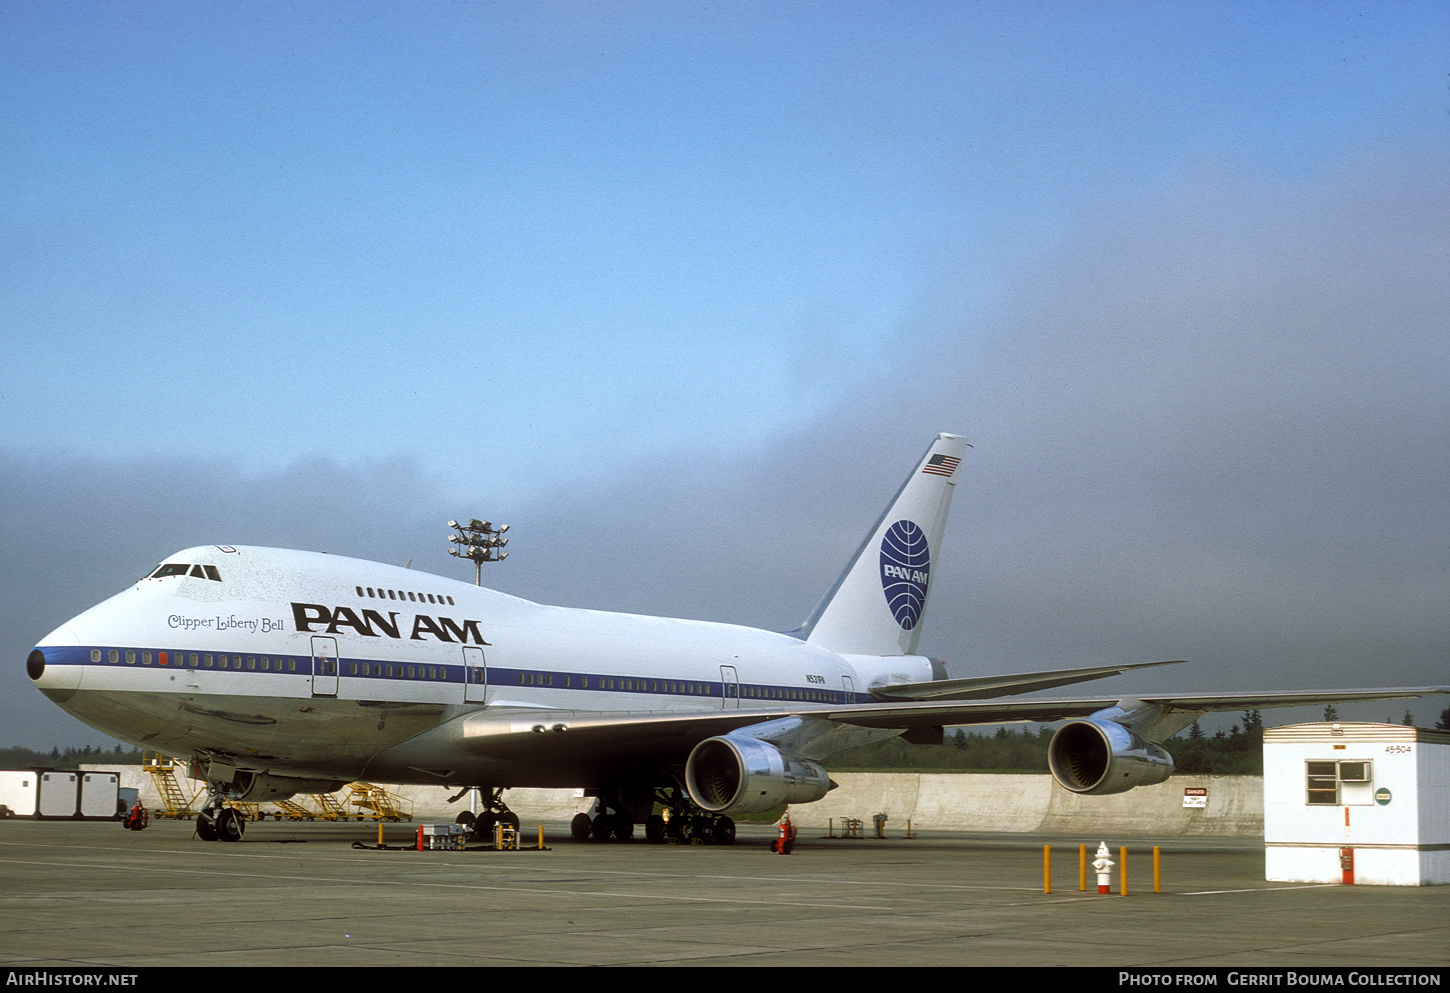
1168 265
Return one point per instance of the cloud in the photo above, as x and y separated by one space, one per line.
1211 427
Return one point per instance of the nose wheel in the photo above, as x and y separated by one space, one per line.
216 821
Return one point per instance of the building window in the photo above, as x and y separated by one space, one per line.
1325 779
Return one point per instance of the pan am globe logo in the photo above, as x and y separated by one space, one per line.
905 570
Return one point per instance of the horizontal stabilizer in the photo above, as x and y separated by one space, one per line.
987 687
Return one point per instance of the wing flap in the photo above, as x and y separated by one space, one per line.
987 687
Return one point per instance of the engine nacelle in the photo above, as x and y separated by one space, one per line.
1097 757
747 775
256 787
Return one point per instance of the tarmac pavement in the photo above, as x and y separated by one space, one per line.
89 894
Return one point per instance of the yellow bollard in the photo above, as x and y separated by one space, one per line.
541 837
1082 868
1047 868
1156 879
380 834
1123 869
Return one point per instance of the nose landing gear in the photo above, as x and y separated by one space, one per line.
218 822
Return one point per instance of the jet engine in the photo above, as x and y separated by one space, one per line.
1098 757
256 787
742 775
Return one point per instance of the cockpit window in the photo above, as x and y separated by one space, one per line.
187 569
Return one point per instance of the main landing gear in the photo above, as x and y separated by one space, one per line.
494 813
681 823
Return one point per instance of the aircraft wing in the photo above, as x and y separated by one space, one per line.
538 735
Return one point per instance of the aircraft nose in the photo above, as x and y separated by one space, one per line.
57 681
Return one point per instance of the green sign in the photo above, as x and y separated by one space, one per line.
1382 796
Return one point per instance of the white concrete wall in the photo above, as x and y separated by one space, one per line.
1035 803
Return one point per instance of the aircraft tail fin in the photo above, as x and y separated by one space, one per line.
875 607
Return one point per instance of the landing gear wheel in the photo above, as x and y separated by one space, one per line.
654 829
580 827
623 827
230 825
465 818
724 831
206 827
603 827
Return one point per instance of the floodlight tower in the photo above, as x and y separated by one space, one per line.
479 541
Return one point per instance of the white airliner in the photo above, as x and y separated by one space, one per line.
277 672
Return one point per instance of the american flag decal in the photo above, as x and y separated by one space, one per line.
941 465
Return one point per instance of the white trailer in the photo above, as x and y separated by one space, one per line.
1357 803
61 795
20 791
100 795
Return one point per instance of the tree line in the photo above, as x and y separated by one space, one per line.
67 758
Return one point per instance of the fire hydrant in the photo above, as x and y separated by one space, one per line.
1104 867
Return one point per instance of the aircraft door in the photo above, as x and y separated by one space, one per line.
849 688
475 676
729 688
324 666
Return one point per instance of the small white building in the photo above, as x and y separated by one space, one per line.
1357 803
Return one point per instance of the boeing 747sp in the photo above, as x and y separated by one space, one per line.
277 672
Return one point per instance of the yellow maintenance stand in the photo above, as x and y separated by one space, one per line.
375 803
173 798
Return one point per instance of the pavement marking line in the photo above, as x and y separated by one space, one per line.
469 886
825 880
1265 889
